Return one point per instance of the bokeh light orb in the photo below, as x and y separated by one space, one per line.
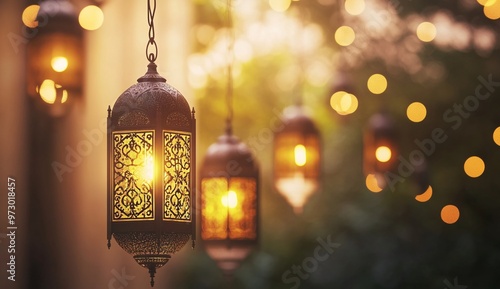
280 5
29 16
416 112
383 154
491 9
354 7
344 103
474 166
344 35
91 17
496 136
450 214
377 83
373 183
59 63
426 31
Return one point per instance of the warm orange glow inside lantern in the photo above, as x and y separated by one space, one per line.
229 202
55 57
380 147
297 158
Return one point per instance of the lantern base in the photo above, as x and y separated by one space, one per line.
152 262
228 255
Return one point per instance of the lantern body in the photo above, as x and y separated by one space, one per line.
55 58
297 158
151 171
380 147
229 182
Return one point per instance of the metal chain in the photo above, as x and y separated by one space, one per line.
230 53
151 56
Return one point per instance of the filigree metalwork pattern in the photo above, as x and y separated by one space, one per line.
177 176
151 243
133 119
133 168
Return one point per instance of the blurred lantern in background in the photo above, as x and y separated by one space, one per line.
297 157
380 150
229 182
151 167
54 55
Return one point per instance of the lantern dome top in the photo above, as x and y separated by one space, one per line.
296 119
229 156
150 102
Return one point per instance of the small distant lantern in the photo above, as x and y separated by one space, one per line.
55 57
297 157
229 182
380 147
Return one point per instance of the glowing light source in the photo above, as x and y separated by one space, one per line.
59 63
354 7
425 196
377 83
29 16
280 5
450 214
491 9
383 154
426 31
496 136
230 200
300 155
372 183
416 112
474 167
48 92
344 35
91 17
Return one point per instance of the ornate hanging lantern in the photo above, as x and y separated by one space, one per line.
297 157
55 57
229 186
151 168
380 148
229 182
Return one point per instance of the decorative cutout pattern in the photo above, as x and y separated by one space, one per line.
133 172
177 176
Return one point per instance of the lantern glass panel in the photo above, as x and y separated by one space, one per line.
133 171
176 176
229 209
297 155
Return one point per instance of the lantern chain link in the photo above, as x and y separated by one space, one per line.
151 56
230 53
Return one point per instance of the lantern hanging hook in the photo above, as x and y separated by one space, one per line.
151 55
